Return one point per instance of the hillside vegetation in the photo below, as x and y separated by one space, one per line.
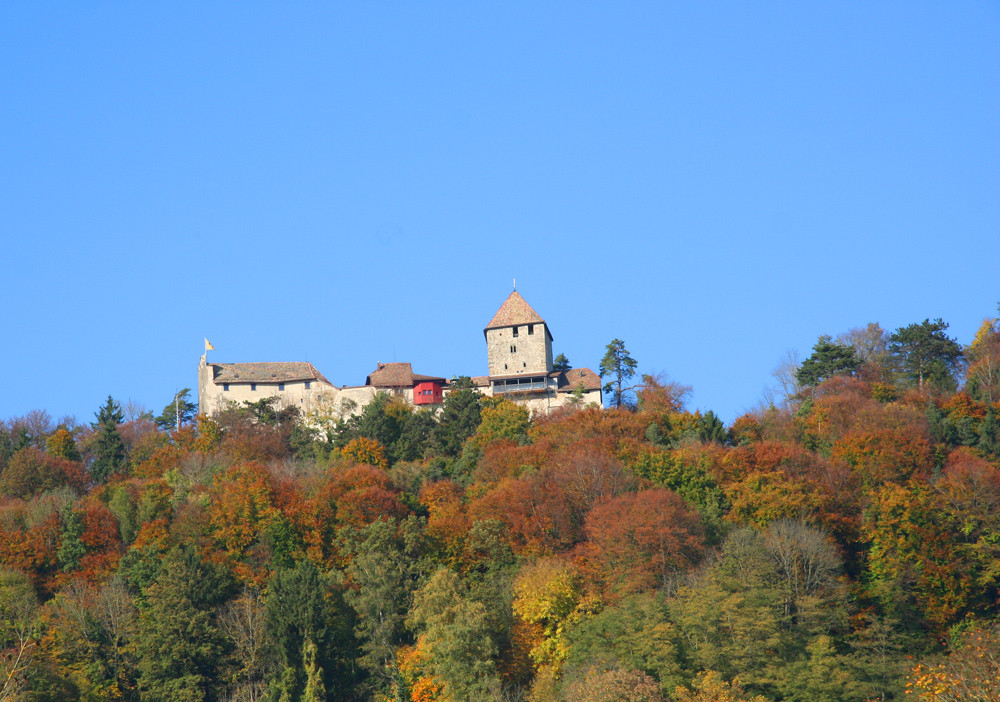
841 542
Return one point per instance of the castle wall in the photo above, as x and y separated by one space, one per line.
213 398
544 402
517 355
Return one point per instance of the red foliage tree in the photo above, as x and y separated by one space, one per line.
640 541
536 510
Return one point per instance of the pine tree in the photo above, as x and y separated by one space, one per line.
182 405
179 645
619 366
108 447
827 360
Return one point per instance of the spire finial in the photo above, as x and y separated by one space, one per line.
515 283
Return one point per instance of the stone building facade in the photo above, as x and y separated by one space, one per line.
519 353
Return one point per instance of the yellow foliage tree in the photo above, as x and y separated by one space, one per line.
366 451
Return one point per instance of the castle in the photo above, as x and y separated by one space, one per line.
518 346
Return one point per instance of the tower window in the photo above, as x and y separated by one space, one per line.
281 386
253 386
225 387
531 329
514 332
513 348
308 385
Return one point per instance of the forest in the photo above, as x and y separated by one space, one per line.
841 541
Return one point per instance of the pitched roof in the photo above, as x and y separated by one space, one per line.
514 311
397 375
570 379
285 372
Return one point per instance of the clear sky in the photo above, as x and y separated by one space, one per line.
347 183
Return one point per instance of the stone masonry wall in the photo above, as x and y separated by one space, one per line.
533 352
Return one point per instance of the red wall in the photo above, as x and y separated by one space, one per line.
427 394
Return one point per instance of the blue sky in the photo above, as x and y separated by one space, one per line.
714 183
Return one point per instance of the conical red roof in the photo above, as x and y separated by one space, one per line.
514 311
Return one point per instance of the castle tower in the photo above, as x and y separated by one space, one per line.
518 341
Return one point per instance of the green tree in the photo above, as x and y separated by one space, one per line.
758 610
18 606
460 415
636 634
382 419
455 633
180 647
71 548
305 623
387 566
180 406
924 351
561 363
827 360
414 438
711 429
108 447
619 366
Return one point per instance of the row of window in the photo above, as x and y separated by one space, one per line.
253 386
531 330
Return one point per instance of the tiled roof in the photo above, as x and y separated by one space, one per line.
265 372
570 379
397 375
514 311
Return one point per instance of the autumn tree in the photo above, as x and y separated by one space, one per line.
971 670
619 367
983 374
614 685
660 394
641 541
709 686
30 472
62 445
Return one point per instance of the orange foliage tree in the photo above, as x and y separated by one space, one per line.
367 451
640 541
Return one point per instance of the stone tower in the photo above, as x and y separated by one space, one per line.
518 341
